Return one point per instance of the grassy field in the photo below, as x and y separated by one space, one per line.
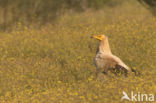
55 64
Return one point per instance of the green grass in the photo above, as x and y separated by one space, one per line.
55 64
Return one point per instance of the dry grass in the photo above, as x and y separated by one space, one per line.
55 64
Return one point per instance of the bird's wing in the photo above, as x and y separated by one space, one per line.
107 60
104 62
114 65
121 63
118 69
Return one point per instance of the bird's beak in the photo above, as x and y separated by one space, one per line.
97 37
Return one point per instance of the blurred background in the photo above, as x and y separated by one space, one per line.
42 12
47 55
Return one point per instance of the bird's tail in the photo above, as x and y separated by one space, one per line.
137 73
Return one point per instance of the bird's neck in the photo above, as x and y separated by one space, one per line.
104 47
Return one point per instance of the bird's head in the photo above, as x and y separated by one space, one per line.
99 37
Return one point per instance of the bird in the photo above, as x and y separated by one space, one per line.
106 62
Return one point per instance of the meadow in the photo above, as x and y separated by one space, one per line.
55 63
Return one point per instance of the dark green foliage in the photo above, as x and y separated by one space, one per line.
150 4
43 11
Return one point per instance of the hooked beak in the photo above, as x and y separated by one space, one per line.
97 37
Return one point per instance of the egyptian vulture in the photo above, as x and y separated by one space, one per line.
106 62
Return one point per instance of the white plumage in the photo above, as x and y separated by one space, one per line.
105 61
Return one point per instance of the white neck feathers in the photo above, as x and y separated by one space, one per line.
104 47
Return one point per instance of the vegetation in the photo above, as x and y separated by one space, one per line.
54 64
43 11
150 4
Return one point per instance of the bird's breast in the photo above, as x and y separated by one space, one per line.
100 62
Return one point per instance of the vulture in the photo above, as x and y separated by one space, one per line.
106 62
